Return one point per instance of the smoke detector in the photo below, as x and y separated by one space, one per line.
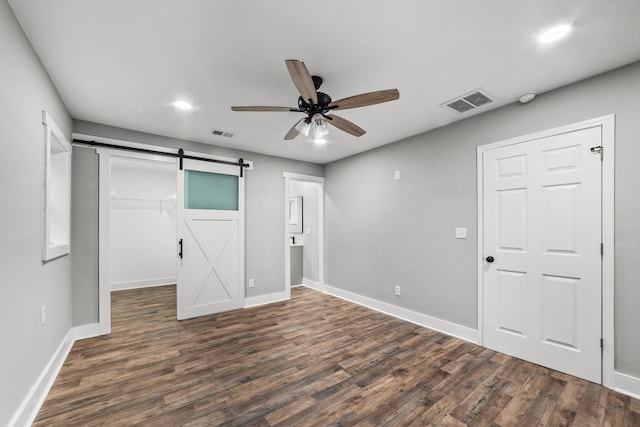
527 97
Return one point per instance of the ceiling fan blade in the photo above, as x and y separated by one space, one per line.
293 132
345 125
302 79
258 108
365 99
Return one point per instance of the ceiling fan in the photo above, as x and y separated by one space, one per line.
318 106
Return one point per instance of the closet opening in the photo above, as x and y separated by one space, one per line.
142 227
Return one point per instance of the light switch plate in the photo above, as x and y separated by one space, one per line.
461 232
396 175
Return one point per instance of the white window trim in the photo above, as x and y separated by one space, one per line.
54 250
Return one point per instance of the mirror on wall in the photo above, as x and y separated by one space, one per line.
295 215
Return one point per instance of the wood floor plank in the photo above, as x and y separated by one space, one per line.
546 403
591 409
617 412
313 360
518 406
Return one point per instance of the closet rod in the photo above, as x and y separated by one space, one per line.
180 154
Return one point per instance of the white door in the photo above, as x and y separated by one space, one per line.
542 228
210 218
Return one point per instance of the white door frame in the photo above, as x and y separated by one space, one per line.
607 125
104 219
288 177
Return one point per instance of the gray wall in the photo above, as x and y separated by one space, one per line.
264 235
84 210
383 232
27 283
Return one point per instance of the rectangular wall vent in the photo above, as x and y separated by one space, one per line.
218 132
468 101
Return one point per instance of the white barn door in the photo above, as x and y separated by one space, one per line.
542 252
210 219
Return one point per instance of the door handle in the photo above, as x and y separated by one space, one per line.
490 259
180 253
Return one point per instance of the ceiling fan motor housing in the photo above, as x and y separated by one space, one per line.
323 101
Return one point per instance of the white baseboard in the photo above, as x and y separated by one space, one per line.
28 410
313 285
626 384
266 299
449 328
86 331
147 283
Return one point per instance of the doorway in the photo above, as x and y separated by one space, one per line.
142 225
108 196
304 231
198 163
545 214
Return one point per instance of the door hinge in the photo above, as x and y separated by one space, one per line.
601 249
597 150
601 343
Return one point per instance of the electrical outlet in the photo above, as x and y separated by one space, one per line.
396 175
397 291
251 283
43 315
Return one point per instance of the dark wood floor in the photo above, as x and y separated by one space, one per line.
314 360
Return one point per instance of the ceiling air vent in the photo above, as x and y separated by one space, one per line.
468 101
218 132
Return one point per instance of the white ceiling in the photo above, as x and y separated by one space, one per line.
123 62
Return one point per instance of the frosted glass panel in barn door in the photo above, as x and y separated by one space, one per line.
542 234
210 216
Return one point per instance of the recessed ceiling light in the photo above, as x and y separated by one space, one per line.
554 33
182 105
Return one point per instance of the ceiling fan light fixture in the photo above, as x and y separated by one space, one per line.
303 127
320 131
319 126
